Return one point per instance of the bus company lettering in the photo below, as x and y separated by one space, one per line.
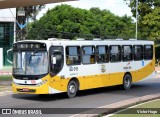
73 69
103 68
128 66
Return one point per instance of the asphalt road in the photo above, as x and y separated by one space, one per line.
85 99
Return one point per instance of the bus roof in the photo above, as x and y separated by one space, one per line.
94 42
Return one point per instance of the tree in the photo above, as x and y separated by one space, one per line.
148 18
32 11
65 21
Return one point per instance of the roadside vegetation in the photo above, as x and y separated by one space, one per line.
148 18
2 78
65 21
150 108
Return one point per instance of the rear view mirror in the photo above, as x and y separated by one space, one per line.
8 53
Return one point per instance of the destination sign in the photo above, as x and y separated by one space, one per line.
29 46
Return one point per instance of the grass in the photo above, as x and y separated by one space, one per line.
4 78
153 106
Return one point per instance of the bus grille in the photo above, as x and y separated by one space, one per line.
27 84
29 90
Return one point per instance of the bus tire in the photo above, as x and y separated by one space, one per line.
72 89
127 81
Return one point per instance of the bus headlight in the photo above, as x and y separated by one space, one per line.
14 83
41 83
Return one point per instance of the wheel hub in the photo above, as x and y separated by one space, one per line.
72 89
127 82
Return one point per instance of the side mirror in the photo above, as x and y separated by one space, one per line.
53 59
8 51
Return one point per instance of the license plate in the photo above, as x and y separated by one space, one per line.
25 89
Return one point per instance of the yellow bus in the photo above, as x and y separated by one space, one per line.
57 65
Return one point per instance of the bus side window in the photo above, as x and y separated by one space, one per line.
73 55
115 53
102 54
88 54
148 52
138 52
127 52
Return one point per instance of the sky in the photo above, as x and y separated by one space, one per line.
118 7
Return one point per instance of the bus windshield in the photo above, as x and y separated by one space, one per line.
30 63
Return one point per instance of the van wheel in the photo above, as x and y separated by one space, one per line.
72 89
127 81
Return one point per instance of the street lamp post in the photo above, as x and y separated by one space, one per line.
20 21
136 18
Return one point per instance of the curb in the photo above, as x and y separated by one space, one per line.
5 73
111 108
4 93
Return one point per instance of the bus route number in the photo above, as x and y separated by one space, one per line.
73 69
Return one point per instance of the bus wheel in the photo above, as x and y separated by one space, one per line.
127 81
72 89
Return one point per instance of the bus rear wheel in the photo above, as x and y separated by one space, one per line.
72 89
127 81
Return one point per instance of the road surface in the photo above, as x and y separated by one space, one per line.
85 99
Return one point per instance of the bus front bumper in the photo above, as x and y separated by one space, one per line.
25 89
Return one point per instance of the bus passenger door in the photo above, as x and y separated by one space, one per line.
56 65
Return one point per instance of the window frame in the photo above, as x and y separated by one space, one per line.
79 55
130 53
106 53
120 53
138 52
88 54
146 52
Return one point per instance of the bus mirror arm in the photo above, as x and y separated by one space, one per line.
8 51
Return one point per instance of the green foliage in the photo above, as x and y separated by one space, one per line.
148 18
65 21
5 78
